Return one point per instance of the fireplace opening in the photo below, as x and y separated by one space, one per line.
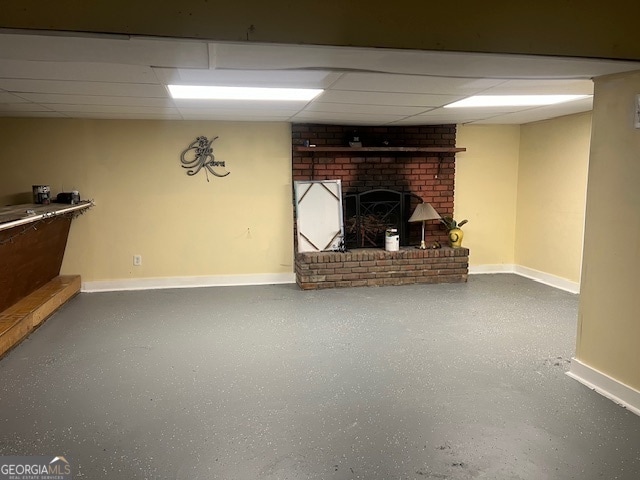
367 216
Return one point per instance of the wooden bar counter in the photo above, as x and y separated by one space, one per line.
32 243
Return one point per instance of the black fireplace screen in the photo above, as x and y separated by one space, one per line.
369 214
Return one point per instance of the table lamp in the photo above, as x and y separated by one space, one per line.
422 213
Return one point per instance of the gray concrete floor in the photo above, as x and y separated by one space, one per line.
426 382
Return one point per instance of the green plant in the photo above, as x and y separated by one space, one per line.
450 223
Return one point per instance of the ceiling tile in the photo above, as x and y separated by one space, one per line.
239 105
542 87
105 49
47 114
125 116
248 113
248 78
368 82
77 71
348 118
364 109
6 97
541 113
385 98
230 117
472 111
111 76
282 57
23 107
434 120
415 62
45 98
83 88
124 109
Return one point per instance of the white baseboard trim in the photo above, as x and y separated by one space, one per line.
154 283
605 385
548 279
496 268
530 273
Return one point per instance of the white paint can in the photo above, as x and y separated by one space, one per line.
392 240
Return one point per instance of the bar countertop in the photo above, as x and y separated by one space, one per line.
15 215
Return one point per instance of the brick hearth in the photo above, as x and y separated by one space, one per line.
376 267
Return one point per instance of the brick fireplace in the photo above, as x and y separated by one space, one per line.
417 162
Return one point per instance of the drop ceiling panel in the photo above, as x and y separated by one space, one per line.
444 116
105 49
435 120
6 97
124 116
47 114
473 111
248 78
123 109
542 87
487 65
99 76
413 84
282 57
532 66
23 107
244 55
45 98
444 64
77 71
365 109
350 118
230 117
83 88
541 113
246 112
384 98
239 105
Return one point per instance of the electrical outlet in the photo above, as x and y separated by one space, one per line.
137 260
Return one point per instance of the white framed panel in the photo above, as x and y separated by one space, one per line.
318 215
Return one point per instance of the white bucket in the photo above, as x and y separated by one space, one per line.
392 240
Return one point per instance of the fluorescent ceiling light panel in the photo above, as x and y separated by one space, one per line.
513 100
242 93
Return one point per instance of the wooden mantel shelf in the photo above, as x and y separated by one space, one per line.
381 149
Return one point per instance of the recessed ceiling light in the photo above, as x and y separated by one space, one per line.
513 100
242 93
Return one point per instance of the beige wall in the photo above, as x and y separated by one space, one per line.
486 191
592 28
608 329
552 180
241 224
523 190
145 202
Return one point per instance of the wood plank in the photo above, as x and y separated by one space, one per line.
17 321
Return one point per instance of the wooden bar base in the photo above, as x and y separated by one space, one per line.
20 319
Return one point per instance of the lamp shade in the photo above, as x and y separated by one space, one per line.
423 212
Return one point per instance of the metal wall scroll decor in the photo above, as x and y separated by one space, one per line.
199 155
